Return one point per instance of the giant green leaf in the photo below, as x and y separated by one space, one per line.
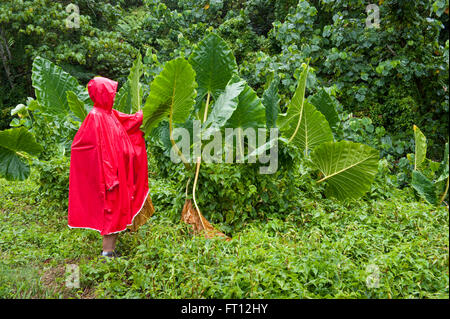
214 64
442 173
420 148
129 97
313 131
122 101
76 106
271 101
135 86
424 187
349 168
324 104
250 111
225 106
289 123
14 145
172 94
51 84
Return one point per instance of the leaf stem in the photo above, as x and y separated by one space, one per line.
194 187
24 155
193 191
174 145
205 115
187 187
301 107
172 141
445 192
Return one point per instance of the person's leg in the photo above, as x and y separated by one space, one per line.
109 242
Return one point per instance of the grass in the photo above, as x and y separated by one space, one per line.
395 248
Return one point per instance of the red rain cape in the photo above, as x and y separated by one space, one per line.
108 182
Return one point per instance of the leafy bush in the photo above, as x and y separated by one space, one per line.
30 28
329 251
54 181
233 195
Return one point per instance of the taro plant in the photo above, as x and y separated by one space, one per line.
348 168
430 179
45 126
208 89
129 98
59 108
17 148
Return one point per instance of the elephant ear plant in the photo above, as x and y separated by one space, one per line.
17 148
346 167
208 90
204 92
429 179
60 106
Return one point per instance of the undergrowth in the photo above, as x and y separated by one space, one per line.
380 248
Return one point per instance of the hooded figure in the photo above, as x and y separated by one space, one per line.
108 183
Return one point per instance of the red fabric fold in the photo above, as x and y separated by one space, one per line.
108 180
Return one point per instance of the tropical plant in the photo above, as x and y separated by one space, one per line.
221 100
226 101
430 179
349 168
129 98
17 148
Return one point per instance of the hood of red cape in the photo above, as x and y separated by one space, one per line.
108 181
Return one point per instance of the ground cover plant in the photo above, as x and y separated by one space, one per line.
356 205
325 251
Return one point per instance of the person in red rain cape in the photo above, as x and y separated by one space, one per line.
108 182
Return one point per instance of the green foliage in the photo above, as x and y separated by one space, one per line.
233 195
225 106
77 107
424 187
54 181
238 106
249 113
420 152
60 106
325 104
271 102
15 144
323 252
398 113
314 129
214 64
348 167
135 85
171 93
429 177
51 84
394 84
290 122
